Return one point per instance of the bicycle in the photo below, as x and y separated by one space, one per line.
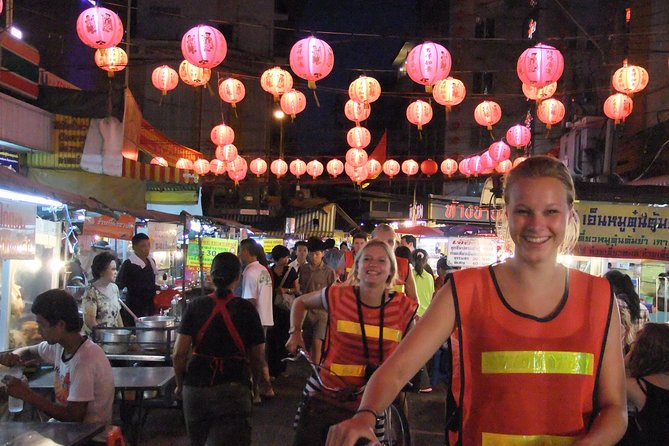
396 426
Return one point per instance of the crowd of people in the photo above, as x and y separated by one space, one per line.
531 339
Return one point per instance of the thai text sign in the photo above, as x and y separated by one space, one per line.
468 252
122 228
17 230
163 235
638 231
210 247
466 212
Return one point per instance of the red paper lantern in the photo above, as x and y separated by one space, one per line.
356 174
258 166
429 167
217 167
335 167
159 161
311 59
165 79
278 168
519 160
1 6
237 169
499 151
550 112
630 79
428 63
449 166
99 27
475 165
618 107
504 167
356 112
276 81
201 166
419 113
298 167
226 152
184 163
487 163
539 94
540 65
518 136
356 157
359 138
231 91
293 102
463 167
488 113
111 59
204 46
391 168
449 92
374 168
193 75
410 167
364 90
222 134
314 169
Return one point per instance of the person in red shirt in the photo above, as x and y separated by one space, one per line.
536 345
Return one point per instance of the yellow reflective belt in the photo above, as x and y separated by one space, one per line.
347 369
489 439
350 327
572 363
398 288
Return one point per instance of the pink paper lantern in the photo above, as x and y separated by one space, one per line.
99 27
314 169
226 152
518 136
504 167
519 160
550 112
629 79
487 114
278 168
540 65
475 166
276 81
111 59
428 63
618 107
419 113
449 166
236 167
487 163
159 161
231 91
356 112
499 151
293 102
539 94
358 137
335 167
356 174
463 167
298 167
374 168
217 167
429 167
311 59
193 75
391 168
222 134
201 166
364 90
165 79
258 166
356 157
449 92
204 46
410 167
184 164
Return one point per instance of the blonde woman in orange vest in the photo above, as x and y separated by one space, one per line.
366 321
537 354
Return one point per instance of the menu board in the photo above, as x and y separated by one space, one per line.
17 230
468 252
210 247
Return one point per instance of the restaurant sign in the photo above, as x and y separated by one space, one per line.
163 235
122 228
210 247
17 230
462 212
471 252
638 231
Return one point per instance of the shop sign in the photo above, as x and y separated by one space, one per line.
269 243
469 252
210 247
122 228
623 231
17 230
464 212
163 236
9 159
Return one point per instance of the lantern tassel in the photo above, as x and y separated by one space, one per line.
234 108
318 104
311 85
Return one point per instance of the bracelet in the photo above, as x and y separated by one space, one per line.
290 332
367 410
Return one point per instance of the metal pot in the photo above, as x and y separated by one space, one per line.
114 342
155 339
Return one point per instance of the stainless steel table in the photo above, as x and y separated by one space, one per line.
66 434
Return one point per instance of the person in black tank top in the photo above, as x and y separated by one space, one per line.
648 387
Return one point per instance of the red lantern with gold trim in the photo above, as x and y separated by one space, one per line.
356 174
356 111
356 157
193 75
359 138
227 152
518 136
391 168
276 81
410 167
184 164
217 167
428 63
550 112
374 168
258 166
463 167
222 134
429 167
504 167
540 65
201 166
499 151
539 94
629 79
449 92
488 113
311 59
618 107
293 102
449 166
364 90
111 59
298 167
165 79
314 169
419 113
335 167
278 168
231 91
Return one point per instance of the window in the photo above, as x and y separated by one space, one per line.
484 28
483 82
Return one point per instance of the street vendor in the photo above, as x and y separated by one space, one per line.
138 275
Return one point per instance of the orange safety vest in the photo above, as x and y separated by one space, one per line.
525 380
349 258
402 274
344 363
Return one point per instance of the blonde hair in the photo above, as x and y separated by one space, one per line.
353 278
542 166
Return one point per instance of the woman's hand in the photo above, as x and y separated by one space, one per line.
295 341
348 432
178 392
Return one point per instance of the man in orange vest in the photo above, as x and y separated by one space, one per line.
404 281
359 240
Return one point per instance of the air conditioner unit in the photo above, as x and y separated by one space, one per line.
492 192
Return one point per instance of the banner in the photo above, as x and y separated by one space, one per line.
156 144
210 247
122 228
269 243
163 235
631 231
471 252
17 230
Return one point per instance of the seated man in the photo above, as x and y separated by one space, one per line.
83 379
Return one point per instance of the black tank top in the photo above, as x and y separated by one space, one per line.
654 417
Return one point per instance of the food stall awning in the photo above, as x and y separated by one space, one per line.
421 231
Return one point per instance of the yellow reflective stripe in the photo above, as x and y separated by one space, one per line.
350 327
571 363
347 369
349 269
490 439
398 288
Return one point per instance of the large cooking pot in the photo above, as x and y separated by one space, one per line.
114 342
155 339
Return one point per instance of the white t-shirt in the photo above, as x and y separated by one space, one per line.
257 284
86 376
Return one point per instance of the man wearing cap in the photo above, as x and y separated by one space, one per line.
315 275
138 275
404 281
